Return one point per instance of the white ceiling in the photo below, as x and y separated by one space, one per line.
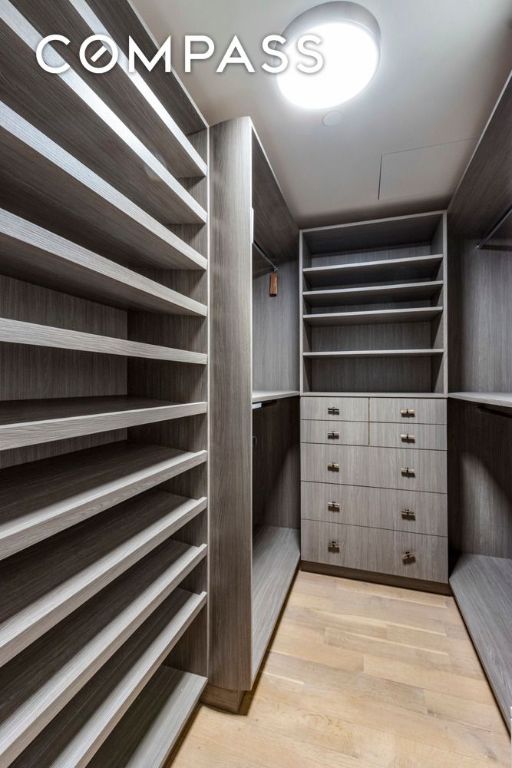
402 144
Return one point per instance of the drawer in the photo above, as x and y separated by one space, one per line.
400 468
334 408
408 410
396 553
420 436
342 433
376 508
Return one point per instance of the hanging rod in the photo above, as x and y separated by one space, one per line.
483 243
264 256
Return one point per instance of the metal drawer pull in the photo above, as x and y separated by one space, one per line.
332 411
333 435
408 514
408 558
408 472
407 413
406 438
334 547
333 467
333 506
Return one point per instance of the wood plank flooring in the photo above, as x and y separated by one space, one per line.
359 676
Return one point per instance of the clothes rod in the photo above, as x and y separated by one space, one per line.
483 244
264 256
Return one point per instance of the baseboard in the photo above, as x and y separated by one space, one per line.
377 578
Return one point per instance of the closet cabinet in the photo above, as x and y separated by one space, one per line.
373 406
255 504
103 398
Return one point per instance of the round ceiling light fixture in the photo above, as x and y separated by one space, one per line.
350 46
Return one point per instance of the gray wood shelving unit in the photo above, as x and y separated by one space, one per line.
104 354
375 290
255 431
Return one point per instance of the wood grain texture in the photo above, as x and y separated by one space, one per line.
373 294
47 583
357 353
45 179
37 255
482 587
419 411
377 550
267 396
399 468
335 408
408 511
42 421
493 399
374 374
276 555
413 314
420 436
231 418
39 682
38 500
81 728
416 267
344 433
359 674
97 136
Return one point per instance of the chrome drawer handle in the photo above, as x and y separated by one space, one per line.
406 438
407 413
332 411
408 558
408 514
333 467
334 547
333 435
408 472
333 506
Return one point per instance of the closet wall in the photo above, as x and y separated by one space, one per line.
480 424
103 390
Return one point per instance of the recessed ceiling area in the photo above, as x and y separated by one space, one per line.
398 147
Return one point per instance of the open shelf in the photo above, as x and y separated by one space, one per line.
32 422
373 294
482 587
34 254
419 395
120 157
412 268
412 315
98 216
32 334
276 555
45 584
41 499
496 399
151 727
375 353
39 682
266 397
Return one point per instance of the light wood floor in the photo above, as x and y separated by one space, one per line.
359 675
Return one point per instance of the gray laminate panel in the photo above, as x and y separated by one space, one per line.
373 374
420 436
493 399
402 469
334 408
411 268
129 679
393 552
40 681
410 315
358 353
376 508
276 555
43 178
40 499
342 433
47 583
483 590
408 411
373 294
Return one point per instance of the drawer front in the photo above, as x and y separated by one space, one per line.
335 408
420 436
395 553
403 469
342 433
408 410
376 508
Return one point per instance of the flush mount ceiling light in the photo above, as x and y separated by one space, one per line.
350 47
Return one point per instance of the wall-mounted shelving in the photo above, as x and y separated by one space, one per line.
269 396
376 292
492 399
104 345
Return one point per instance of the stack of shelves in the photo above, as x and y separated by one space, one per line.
372 298
103 399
